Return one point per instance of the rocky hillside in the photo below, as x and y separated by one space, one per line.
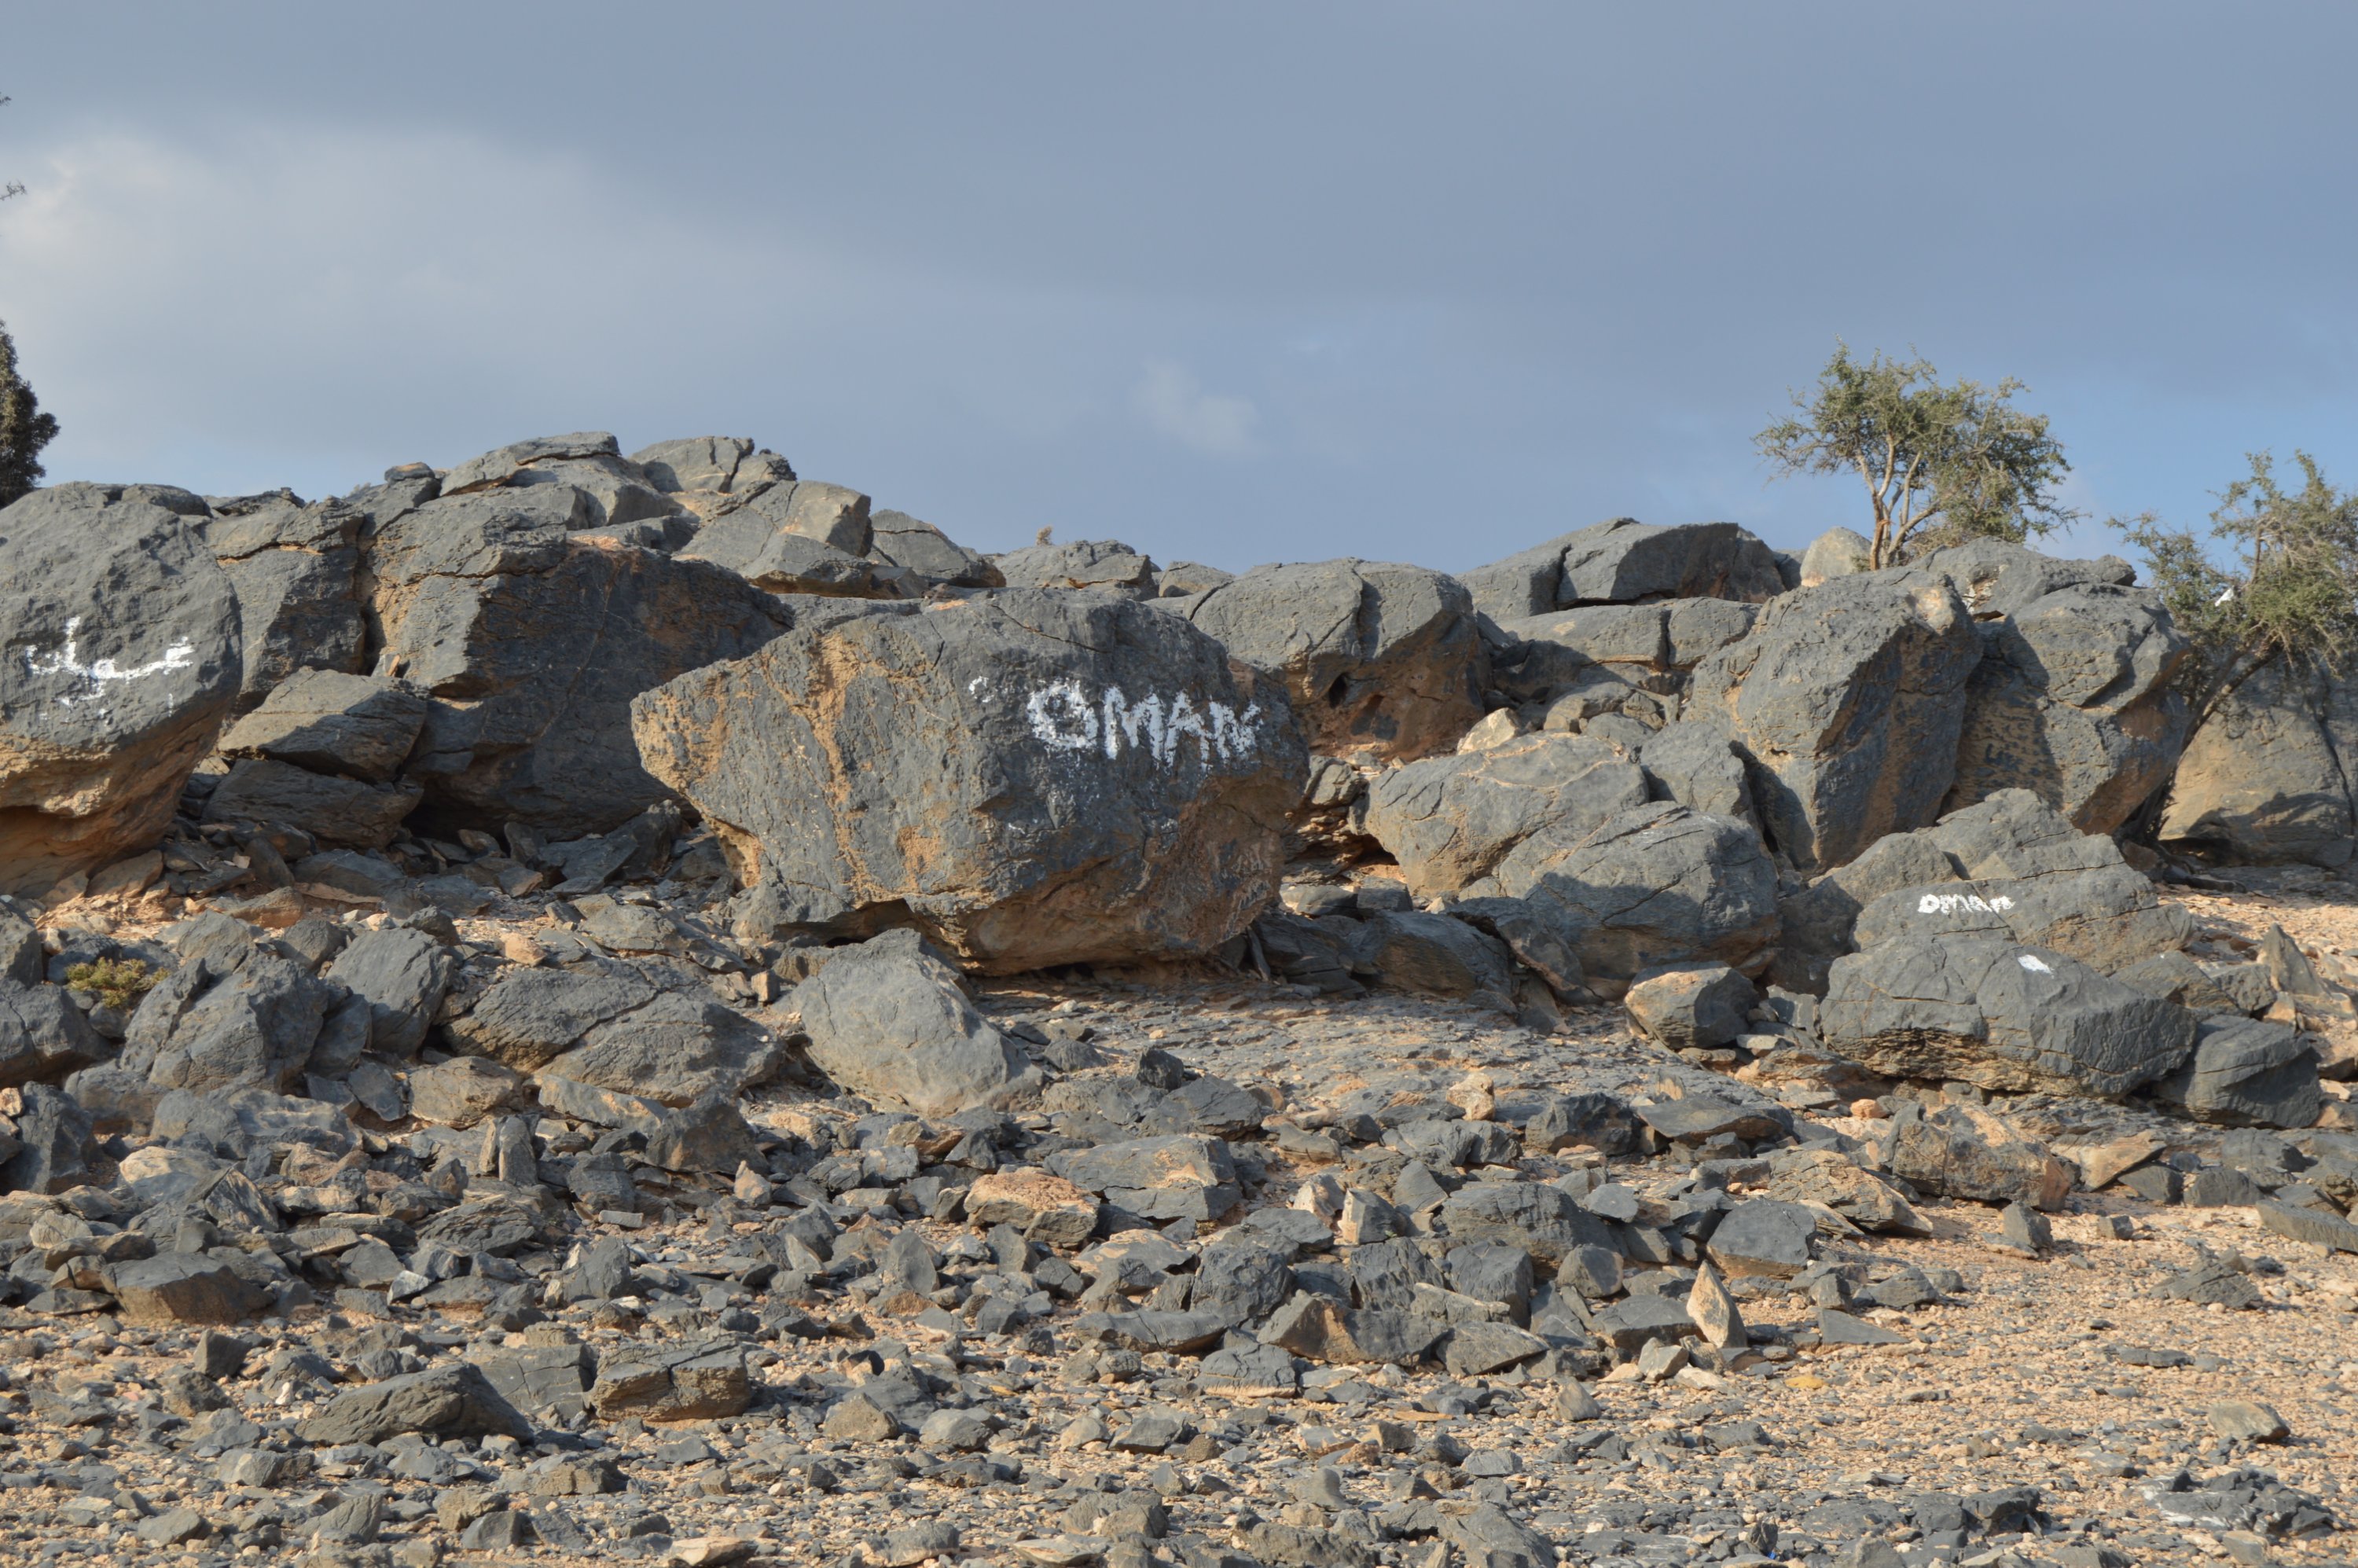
636 1006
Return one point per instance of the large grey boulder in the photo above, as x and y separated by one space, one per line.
331 722
1699 767
1031 779
890 1020
1381 660
1837 552
799 537
2266 776
1656 884
900 540
614 490
1818 924
124 655
2247 1072
1626 562
2073 699
1999 1014
1962 1152
1103 564
43 1035
211 1027
1450 820
1849 698
455 1400
293 568
1652 645
534 641
2106 916
1996 577
335 810
399 975
617 1030
713 465
1434 954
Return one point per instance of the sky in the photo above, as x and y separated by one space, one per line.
1230 282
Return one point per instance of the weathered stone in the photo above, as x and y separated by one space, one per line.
2105 916
1378 659
1823 1176
1848 698
1623 562
1657 884
1434 954
125 658
1837 552
292 567
455 1400
1764 1236
889 1020
2246 1071
331 722
1450 820
1044 1209
2001 1015
1033 779
534 641
1959 1152
2074 701
1690 1005
1319 1329
1106 564
400 974
43 1035
1630 1325
2266 775
1697 766
1181 1176
673 1382
898 539
1541 1220
252 1028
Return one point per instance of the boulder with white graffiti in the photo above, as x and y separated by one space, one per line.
121 656
1032 779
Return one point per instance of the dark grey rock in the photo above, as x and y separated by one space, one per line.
455 1400
1623 562
331 809
1103 564
250 1028
2264 777
401 974
1764 1237
1542 1221
331 722
1450 820
293 568
125 657
1657 884
43 1035
1377 658
1435 955
890 1020
1999 1014
898 539
2246 1071
53 1150
1697 766
1031 779
1690 1005
1848 698
532 641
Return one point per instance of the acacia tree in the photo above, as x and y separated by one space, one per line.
24 428
1944 462
2282 584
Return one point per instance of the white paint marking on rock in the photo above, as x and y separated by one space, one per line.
1064 719
1950 903
2035 964
66 661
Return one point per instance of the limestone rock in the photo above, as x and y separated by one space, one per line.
327 722
1106 565
293 568
2247 1072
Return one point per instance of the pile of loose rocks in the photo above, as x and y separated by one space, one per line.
586 1006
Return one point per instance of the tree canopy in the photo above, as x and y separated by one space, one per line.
1940 463
24 428
2282 580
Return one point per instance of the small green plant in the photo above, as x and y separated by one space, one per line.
2280 581
1942 464
118 983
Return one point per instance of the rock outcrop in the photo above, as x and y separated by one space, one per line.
1628 562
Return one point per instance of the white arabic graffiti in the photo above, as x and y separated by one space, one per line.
1950 903
1064 719
94 678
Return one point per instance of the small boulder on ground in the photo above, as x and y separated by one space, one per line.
890 1020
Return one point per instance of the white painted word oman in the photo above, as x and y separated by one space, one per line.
1950 903
1064 719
